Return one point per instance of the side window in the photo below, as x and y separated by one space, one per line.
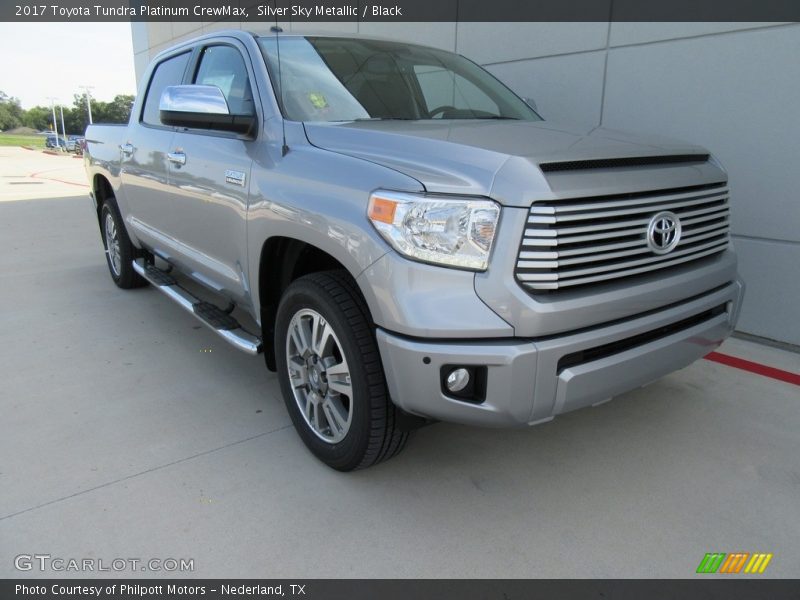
445 88
168 72
224 67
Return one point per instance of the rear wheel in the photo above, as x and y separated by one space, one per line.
118 247
331 374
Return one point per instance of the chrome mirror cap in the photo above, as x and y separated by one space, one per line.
198 99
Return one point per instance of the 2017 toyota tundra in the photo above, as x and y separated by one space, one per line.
408 239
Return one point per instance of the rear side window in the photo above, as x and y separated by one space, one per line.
168 72
223 66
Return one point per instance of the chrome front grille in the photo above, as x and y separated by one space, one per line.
583 241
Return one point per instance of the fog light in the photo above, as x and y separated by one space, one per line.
465 383
457 380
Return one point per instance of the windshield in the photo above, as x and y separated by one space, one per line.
341 79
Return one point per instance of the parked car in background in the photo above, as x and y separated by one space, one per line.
53 141
74 144
411 240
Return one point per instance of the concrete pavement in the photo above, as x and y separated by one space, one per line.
130 431
31 174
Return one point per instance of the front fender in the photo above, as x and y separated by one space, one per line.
320 198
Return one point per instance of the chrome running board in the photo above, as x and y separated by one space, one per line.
220 322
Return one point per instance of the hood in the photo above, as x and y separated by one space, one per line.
465 156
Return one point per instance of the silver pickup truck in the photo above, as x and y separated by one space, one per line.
405 239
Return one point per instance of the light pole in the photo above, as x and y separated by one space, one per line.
86 89
63 129
55 123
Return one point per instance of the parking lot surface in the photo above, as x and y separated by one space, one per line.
31 175
128 430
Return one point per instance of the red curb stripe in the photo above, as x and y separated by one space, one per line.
753 367
40 173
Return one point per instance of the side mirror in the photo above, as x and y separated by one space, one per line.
201 107
532 103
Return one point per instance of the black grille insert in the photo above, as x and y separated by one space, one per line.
633 161
590 354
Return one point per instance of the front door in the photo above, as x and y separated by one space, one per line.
209 179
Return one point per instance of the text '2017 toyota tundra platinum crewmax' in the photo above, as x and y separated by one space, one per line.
405 239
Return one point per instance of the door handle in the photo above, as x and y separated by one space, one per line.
127 149
177 158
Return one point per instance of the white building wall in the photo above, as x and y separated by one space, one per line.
732 87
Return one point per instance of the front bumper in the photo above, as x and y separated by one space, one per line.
531 381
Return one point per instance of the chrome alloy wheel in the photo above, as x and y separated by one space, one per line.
319 375
112 245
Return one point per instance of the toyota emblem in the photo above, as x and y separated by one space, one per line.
663 232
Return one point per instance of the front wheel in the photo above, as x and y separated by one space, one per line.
331 374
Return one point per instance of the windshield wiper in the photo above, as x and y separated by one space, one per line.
498 117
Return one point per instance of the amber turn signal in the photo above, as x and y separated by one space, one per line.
382 210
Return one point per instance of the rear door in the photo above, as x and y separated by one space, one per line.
144 168
209 177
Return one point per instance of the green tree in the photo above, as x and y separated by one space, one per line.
74 120
79 112
38 117
11 113
76 117
120 108
116 111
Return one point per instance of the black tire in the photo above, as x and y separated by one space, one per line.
122 270
373 435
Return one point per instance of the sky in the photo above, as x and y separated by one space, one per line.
53 59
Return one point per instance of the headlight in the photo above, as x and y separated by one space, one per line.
453 232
